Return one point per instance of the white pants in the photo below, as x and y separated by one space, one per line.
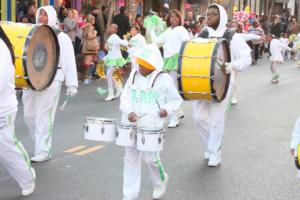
173 75
132 170
209 119
233 83
39 112
13 156
111 82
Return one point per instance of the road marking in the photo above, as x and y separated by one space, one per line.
89 150
74 149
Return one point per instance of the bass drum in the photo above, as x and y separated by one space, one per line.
36 51
200 77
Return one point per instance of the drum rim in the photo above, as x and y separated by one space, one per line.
151 131
25 56
297 158
100 119
212 72
127 126
179 71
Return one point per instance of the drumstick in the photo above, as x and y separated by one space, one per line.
62 107
157 104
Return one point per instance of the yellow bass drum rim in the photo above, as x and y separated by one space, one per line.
297 158
212 73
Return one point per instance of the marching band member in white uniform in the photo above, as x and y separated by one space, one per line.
209 117
13 156
172 40
114 60
147 105
40 106
135 43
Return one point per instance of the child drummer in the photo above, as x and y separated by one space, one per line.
148 98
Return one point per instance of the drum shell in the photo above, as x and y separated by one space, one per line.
126 135
151 141
19 35
100 129
196 69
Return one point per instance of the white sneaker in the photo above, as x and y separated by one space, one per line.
214 161
40 158
206 155
110 96
30 190
234 101
159 191
118 92
173 123
180 114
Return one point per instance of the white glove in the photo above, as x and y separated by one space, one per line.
71 91
228 68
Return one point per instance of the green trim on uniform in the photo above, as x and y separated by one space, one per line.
120 62
228 106
50 128
171 63
160 167
19 145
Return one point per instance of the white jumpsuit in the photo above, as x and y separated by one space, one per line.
209 118
141 99
40 106
13 156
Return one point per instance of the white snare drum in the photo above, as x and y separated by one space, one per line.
150 139
100 129
126 135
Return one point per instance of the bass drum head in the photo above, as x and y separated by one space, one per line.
220 80
42 57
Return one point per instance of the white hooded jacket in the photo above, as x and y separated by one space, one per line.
146 100
240 51
8 99
67 65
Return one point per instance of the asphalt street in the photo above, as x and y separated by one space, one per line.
256 163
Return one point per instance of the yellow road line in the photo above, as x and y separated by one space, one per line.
89 150
74 149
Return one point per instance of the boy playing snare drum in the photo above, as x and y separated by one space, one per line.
149 96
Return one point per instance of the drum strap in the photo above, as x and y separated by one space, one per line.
152 80
154 77
228 34
56 30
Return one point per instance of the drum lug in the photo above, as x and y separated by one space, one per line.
86 128
102 130
117 133
159 140
143 139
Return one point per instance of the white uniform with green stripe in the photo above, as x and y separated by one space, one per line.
13 156
209 117
40 106
140 97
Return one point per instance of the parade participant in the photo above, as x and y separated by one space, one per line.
13 156
154 104
295 137
276 47
172 40
135 43
209 117
40 106
295 141
246 37
114 60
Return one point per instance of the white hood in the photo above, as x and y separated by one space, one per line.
219 32
51 12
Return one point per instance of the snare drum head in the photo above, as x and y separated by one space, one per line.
42 57
220 80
